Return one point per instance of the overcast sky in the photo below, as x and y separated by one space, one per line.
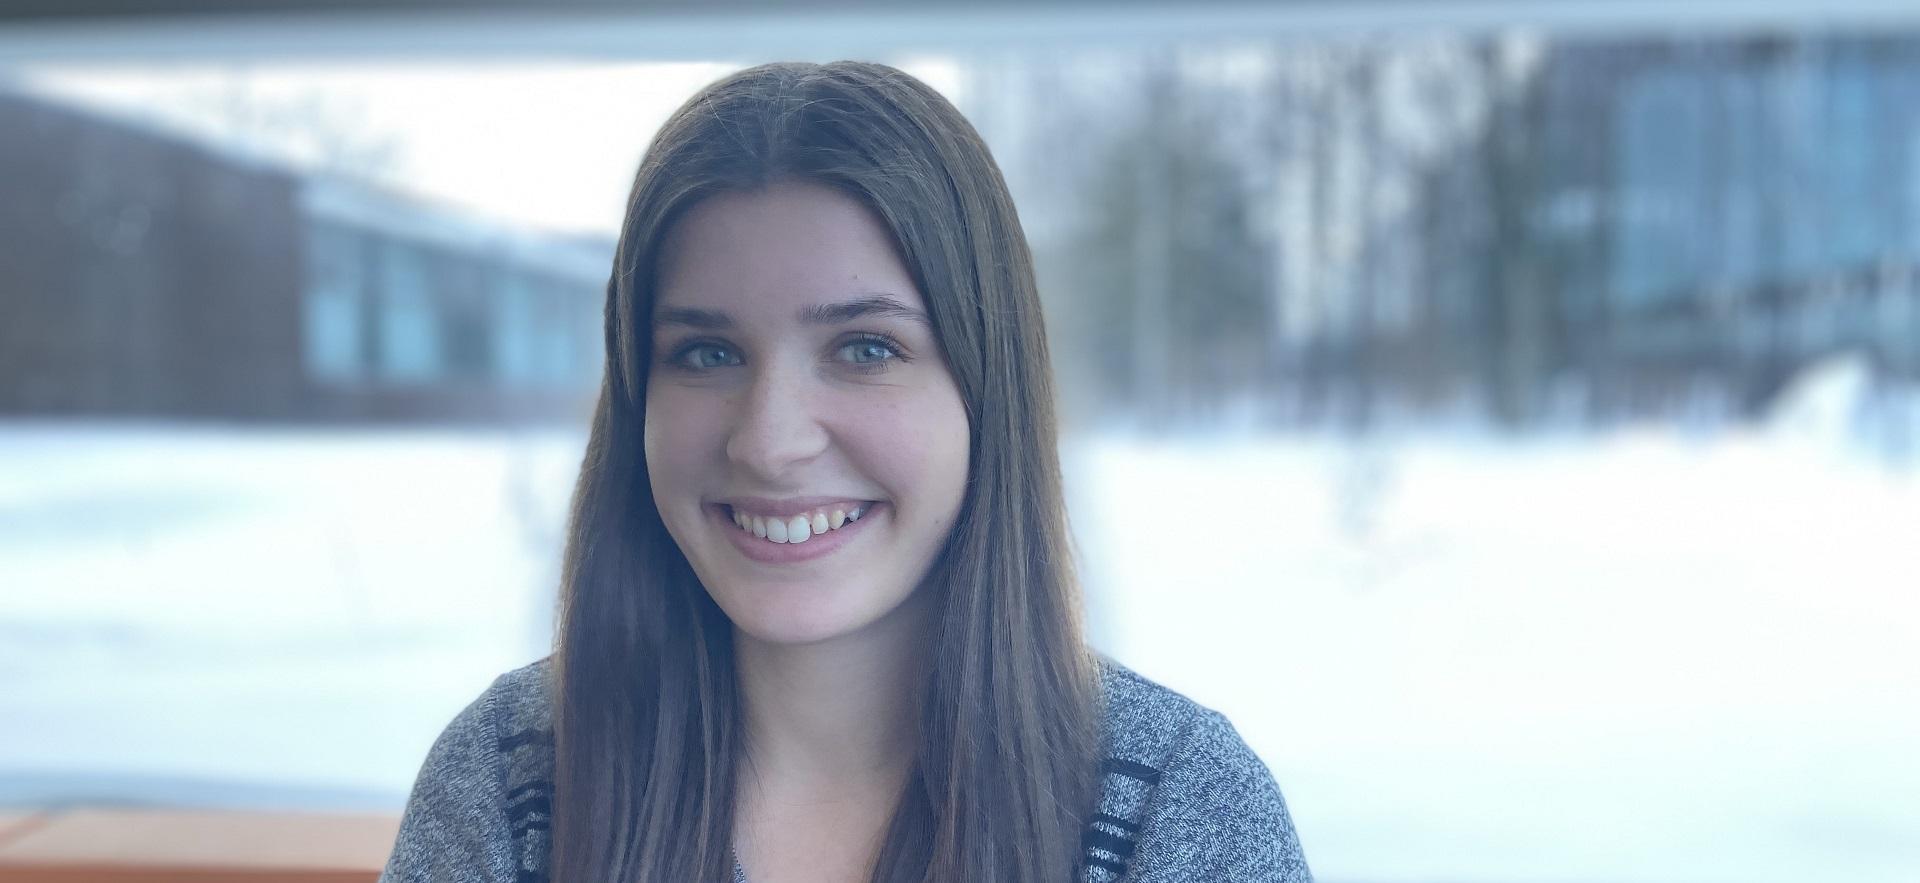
549 144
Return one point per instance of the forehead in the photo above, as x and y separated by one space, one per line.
767 251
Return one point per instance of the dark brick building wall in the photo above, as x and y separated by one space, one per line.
141 275
144 276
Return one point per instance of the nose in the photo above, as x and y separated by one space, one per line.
776 427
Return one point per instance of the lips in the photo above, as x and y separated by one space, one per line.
787 507
799 528
768 550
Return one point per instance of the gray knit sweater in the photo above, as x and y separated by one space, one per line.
1183 797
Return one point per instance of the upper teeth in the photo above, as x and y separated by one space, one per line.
797 528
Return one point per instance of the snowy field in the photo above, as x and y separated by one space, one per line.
1627 658
187 609
1634 659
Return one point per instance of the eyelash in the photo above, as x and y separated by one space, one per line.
678 359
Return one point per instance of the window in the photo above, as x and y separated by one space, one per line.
409 332
513 330
334 305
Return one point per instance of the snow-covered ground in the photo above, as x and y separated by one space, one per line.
192 607
1634 657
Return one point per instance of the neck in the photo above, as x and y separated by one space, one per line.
836 717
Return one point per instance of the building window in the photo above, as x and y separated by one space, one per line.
557 336
409 330
466 345
333 310
513 330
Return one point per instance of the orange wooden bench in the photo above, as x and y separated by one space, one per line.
175 846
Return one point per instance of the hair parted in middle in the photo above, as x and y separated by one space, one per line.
647 713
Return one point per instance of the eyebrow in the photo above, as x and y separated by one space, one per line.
876 305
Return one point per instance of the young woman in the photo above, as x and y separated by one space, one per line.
819 621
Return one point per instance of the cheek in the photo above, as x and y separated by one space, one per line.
924 450
674 439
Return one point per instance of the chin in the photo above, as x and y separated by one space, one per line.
789 633
797 616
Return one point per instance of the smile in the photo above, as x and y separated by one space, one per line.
771 538
798 528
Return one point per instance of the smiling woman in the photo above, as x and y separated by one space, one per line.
790 387
819 616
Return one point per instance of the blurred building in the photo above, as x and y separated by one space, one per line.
1732 209
145 275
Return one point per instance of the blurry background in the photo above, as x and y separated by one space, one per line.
1508 414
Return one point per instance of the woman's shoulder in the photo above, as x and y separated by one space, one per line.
1148 725
523 728
1140 712
1183 795
512 722
482 795
523 700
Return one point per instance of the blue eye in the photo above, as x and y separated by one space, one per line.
870 351
866 353
700 356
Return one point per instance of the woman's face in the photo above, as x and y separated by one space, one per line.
797 386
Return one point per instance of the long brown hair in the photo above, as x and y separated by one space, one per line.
647 716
